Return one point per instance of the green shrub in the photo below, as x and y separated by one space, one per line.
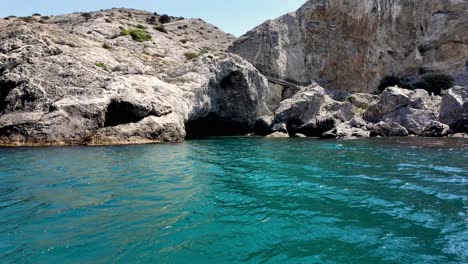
87 16
152 20
102 65
141 26
435 83
183 41
194 55
139 35
108 20
164 19
161 28
36 14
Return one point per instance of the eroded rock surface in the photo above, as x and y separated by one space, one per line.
83 79
352 45
75 79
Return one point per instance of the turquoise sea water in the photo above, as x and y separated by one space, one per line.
237 200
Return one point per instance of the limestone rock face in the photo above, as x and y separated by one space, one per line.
71 80
75 79
352 45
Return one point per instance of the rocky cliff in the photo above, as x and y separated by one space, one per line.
120 76
124 76
352 45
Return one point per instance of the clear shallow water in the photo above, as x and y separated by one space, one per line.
237 200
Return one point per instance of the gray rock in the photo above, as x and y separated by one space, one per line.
362 101
72 81
390 100
435 129
414 110
414 120
459 135
454 109
60 85
303 106
280 127
319 42
278 135
263 125
383 129
358 122
317 127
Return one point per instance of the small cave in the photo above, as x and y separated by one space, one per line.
121 112
232 110
213 125
6 86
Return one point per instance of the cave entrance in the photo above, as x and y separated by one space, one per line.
121 112
6 86
213 125
231 113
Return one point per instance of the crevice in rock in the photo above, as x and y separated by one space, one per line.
6 86
121 112
213 125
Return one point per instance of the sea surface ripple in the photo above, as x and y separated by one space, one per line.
237 200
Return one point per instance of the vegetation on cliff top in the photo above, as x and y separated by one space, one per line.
140 35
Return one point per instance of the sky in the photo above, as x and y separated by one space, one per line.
233 16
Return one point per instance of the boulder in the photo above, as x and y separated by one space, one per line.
414 120
362 100
395 98
383 129
280 127
304 106
454 109
435 129
263 126
278 135
344 130
358 122
316 127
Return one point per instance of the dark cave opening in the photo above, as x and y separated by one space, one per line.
6 86
232 108
213 125
121 112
